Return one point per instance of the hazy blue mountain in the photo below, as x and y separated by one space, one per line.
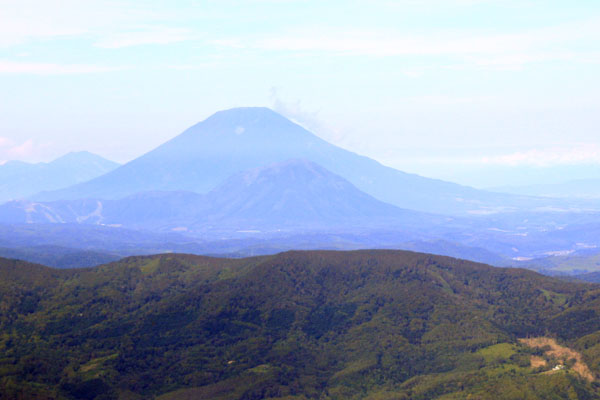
228 142
593 277
59 257
453 249
581 188
299 204
20 179
99 238
295 194
300 193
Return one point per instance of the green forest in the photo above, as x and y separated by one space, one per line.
372 324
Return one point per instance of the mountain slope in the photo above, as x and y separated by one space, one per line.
295 194
231 141
19 179
299 325
303 194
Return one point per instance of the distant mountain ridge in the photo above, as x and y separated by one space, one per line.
19 179
231 141
301 193
295 194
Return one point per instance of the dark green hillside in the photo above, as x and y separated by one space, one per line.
328 325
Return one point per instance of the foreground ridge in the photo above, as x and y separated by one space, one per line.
300 324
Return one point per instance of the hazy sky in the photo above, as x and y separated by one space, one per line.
445 88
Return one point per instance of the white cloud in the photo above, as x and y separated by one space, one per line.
157 35
22 150
308 119
11 67
517 61
382 44
543 157
443 100
499 51
11 150
436 3
472 159
24 20
111 23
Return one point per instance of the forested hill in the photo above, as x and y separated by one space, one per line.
319 324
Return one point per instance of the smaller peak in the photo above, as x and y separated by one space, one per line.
78 156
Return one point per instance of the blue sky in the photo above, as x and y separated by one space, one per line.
445 88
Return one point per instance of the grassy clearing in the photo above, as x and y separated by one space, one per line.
497 352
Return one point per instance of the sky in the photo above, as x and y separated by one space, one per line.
473 91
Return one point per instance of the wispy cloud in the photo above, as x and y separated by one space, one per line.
503 51
476 157
21 21
11 150
12 67
155 35
308 119
108 23
517 61
435 3
444 100
543 157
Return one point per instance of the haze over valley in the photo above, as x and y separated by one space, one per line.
256 183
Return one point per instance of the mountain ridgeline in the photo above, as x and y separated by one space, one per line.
20 179
252 176
249 181
232 141
295 194
297 325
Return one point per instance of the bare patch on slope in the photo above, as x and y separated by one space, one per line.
561 353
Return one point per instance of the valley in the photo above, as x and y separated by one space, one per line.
273 186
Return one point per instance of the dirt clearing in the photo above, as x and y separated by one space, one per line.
561 353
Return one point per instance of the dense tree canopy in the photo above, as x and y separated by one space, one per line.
338 325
